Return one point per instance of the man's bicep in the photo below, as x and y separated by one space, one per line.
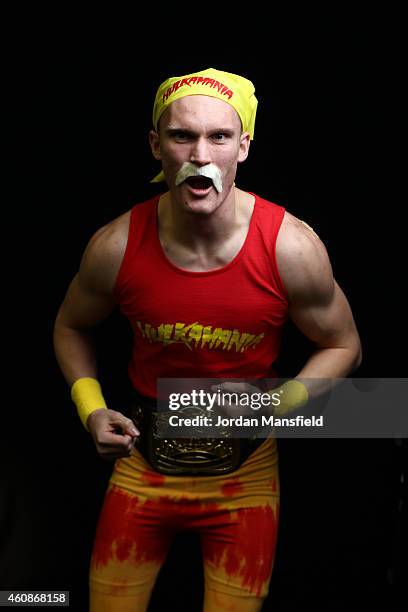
83 306
89 299
327 320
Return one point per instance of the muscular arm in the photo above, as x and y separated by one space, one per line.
89 300
317 305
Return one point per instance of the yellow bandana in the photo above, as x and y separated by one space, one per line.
237 91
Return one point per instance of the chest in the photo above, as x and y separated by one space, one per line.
229 300
204 259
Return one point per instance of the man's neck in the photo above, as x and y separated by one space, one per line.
205 242
200 231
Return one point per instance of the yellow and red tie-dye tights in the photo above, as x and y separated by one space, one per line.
236 516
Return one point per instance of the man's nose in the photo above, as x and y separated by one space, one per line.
200 152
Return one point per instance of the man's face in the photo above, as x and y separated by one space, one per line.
200 130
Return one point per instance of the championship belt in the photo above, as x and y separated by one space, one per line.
193 456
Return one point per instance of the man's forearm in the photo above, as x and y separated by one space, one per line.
327 364
317 377
75 353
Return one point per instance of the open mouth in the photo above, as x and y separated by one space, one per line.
199 183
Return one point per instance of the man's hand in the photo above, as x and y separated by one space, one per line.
231 409
280 401
113 433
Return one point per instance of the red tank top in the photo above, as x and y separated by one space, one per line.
225 323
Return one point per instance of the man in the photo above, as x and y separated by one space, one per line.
207 275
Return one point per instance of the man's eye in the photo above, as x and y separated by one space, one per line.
220 136
181 135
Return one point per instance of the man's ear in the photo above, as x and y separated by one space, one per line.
245 141
154 140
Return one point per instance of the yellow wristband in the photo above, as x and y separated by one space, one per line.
86 393
292 394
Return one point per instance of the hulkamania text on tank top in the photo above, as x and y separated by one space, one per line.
197 336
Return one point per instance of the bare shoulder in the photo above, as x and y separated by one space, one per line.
103 256
303 261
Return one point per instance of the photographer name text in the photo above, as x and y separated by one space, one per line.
176 420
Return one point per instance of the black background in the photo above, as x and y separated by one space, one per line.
325 149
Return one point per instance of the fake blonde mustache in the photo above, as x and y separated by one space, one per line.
209 171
